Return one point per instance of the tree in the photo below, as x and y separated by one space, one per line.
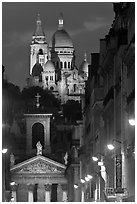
72 110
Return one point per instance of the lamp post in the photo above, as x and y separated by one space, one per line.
4 151
111 146
131 121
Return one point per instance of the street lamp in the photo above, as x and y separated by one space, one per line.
12 183
132 121
100 163
82 180
4 151
75 186
95 159
89 176
110 146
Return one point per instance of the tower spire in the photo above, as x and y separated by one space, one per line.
61 21
39 31
85 56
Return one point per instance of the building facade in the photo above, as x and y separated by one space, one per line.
52 65
39 163
110 116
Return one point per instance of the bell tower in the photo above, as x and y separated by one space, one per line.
38 129
39 46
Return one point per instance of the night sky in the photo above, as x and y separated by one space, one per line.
86 23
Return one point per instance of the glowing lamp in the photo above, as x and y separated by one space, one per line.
12 183
75 186
4 151
82 180
95 158
87 179
110 146
131 122
89 176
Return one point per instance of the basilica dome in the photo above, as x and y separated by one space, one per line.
49 66
37 69
61 39
84 65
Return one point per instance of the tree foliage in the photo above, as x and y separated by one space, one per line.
72 110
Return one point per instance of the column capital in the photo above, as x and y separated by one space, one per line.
48 187
14 187
30 187
64 187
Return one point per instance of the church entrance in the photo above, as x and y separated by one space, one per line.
37 134
39 179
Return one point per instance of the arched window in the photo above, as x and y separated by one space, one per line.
65 64
37 134
68 64
61 65
74 87
40 52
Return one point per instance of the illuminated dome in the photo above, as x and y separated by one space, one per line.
61 39
84 66
37 69
49 66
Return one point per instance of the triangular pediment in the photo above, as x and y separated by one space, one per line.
38 164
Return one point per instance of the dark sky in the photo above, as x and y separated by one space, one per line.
85 22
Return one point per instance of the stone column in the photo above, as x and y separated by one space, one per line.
41 193
59 193
30 192
14 193
47 192
65 193
22 193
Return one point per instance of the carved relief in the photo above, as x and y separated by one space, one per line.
40 167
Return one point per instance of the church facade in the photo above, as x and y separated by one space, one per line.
39 174
52 65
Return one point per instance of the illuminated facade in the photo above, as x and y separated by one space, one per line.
52 65
109 111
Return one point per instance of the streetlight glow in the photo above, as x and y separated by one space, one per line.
75 186
87 179
89 176
4 151
12 199
131 122
82 180
110 146
100 163
95 158
12 183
